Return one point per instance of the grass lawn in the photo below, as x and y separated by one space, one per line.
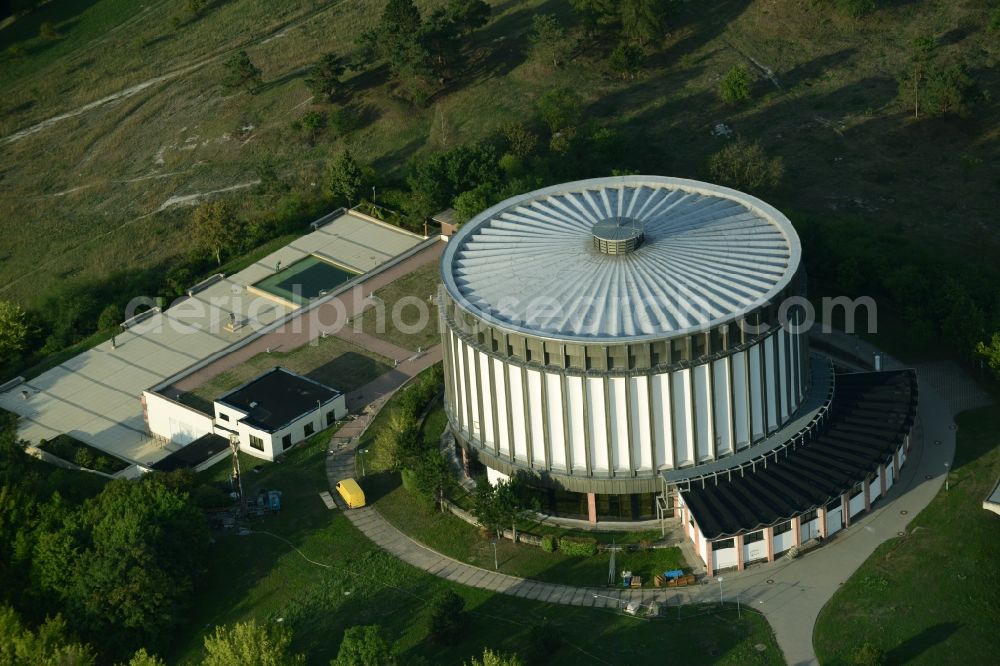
331 361
415 287
930 597
105 173
84 455
456 538
260 576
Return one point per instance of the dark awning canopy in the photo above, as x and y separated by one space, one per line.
869 418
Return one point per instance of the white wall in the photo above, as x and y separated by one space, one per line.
172 420
273 441
494 476
834 521
809 530
755 551
857 504
725 558
784 541
619 424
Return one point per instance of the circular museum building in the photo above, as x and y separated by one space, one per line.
607 337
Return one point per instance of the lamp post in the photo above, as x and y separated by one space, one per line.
361 457
720 590
947 480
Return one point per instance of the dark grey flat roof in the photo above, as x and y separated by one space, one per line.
193 454
871 414
276 398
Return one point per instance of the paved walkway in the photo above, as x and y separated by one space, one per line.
790 593
311 325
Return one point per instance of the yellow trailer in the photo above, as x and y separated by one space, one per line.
352 493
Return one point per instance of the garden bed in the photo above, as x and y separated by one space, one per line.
86 456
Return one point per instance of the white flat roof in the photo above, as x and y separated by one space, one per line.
94 396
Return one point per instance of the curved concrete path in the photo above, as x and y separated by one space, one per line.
790 594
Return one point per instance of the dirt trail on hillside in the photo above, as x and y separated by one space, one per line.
277 32
122 94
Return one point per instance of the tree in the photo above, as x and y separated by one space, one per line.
143 658
216 227
592 13
856 8
468 15
548 40
912 80
345 178
499 505
396 442
51 644
520 140
241 73
250 644
311 124
195 7
110 317
491 658
364 646
401 17
946 91
324 79
436 179
434 476
447 617
472 202
735 86
745 166
124 564
991 353
560 108
964 323
13 330
643 21
625 60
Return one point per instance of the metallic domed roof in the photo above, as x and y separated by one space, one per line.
706 255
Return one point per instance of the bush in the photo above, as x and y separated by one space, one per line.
578 546
745 166
447 617
856 8
735 86
626 60
869 655
544 641
549 543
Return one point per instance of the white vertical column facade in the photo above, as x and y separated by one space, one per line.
615 424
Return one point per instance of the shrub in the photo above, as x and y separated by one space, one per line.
447 617
868 655
578 546
544 641
745 166
549 543
856 8
735 86
626 60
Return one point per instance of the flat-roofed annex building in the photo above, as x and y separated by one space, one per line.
277 410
